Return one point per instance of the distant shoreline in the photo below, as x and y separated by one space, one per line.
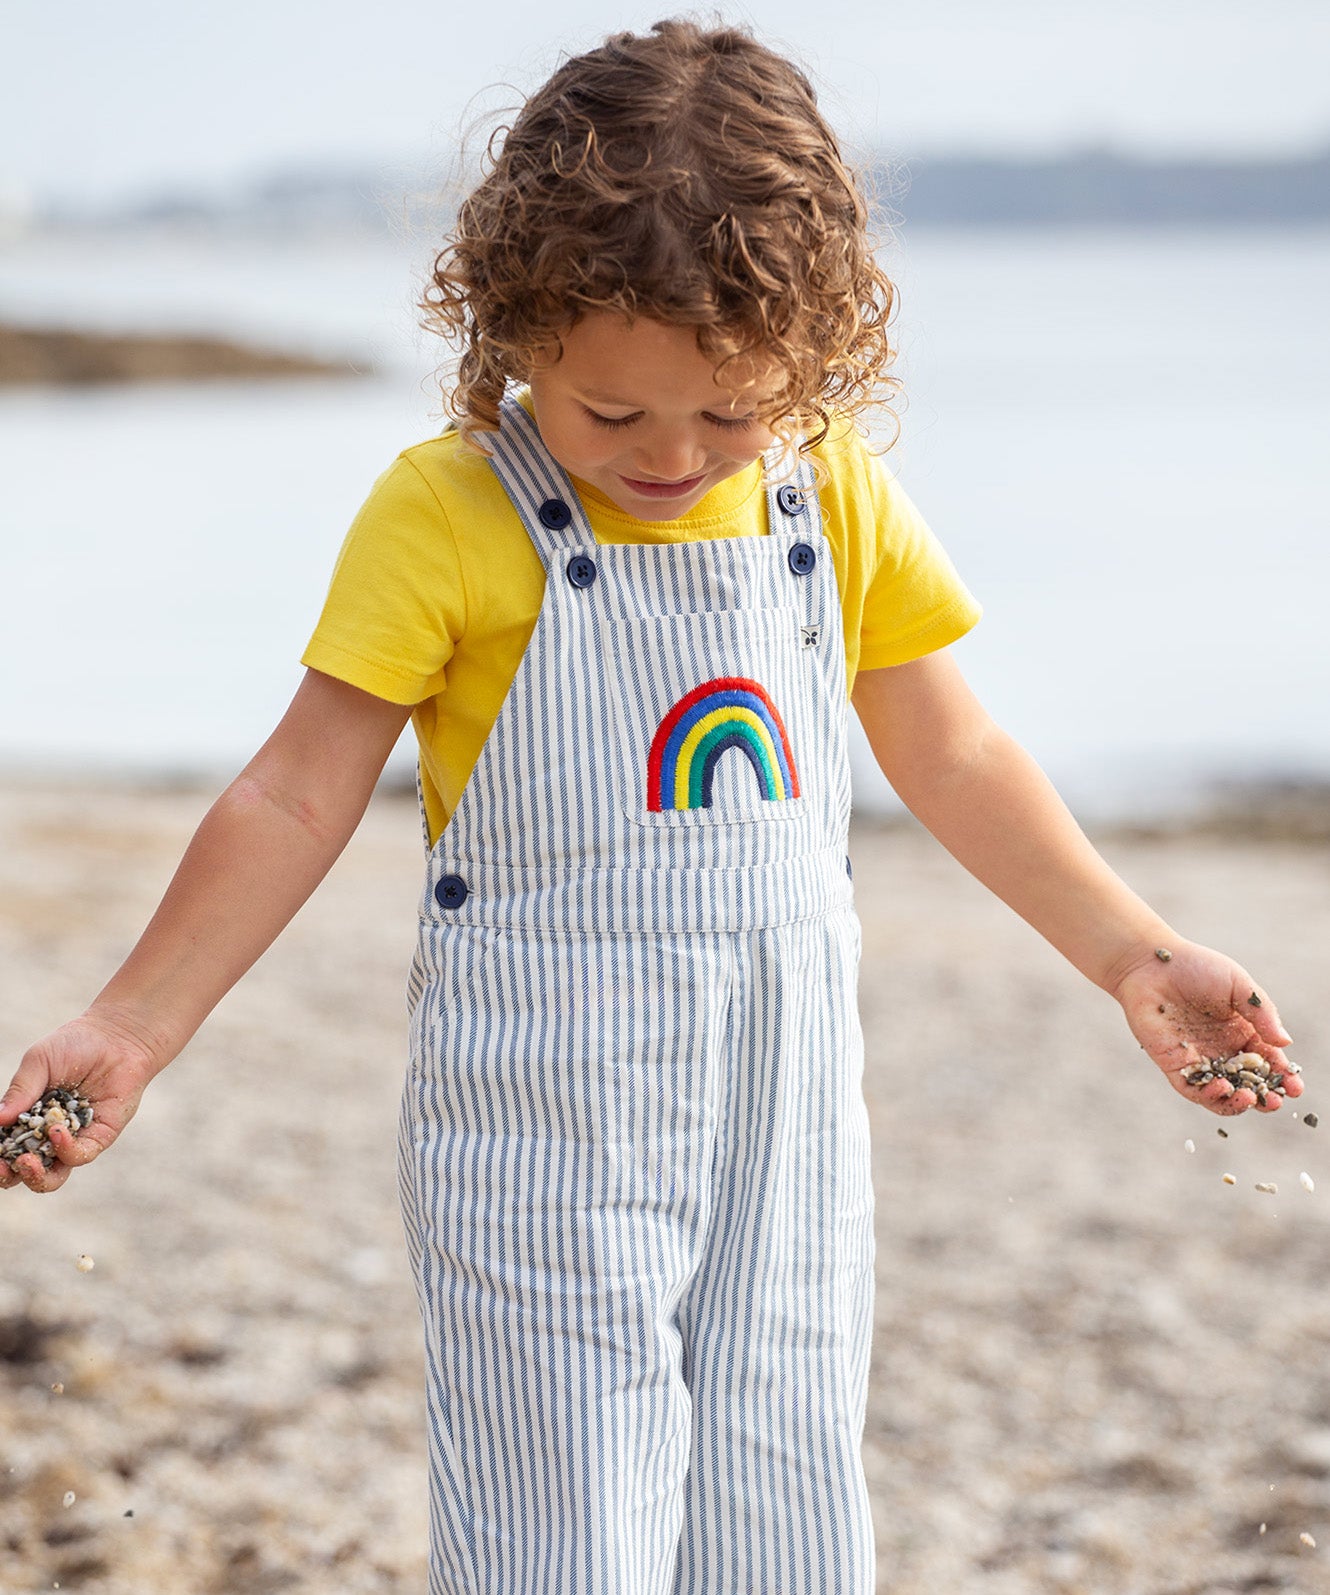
64 357
1103 187
1072 187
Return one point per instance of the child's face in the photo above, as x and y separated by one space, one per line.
634 409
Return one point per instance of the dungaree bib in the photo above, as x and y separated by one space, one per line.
634 1151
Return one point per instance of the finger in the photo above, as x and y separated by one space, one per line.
29 1081
1264 1019
38 1178
1218 1095
74 1151
1227 1101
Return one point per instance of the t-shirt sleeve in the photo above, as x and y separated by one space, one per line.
396 603
914 600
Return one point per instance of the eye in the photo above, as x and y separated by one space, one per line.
611 422
731 423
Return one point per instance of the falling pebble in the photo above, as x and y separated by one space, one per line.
1306 1181
1230 1179
70 1498
1268 1190
85 1264
1262 1528
57 1389
1310 1120
130 1512
1189 1144
1307 1540
1223 1134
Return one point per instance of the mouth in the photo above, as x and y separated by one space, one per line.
678 489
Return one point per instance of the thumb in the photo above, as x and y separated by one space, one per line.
1263 1017
24 1089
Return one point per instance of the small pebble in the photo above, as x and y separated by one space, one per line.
1163 955
1189 1144
1254 1000
85 1264
1310 1120
1268 1190
1306 1181
1307 1540
1223 1134
1262 1528
70 1498
1230 1179
57 1389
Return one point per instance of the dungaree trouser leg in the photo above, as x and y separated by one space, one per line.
634 1154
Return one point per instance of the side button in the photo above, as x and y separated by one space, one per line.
451 892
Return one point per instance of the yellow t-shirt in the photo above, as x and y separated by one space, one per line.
436 590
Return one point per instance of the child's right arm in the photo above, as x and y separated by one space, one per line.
261 850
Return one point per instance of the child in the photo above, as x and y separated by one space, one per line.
625 605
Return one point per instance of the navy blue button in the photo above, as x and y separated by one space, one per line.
451 891
790 499
555 514
581 570
802 559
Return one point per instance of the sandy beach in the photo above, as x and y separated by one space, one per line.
1098 1370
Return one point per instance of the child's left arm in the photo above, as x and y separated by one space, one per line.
993 808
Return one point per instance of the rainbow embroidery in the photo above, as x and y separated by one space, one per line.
730 712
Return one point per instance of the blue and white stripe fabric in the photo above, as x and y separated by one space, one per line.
634 1153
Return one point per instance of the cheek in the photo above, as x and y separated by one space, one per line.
572 443
752 448
592 446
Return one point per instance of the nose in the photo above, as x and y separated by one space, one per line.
672 456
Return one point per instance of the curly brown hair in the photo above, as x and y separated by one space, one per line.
686 175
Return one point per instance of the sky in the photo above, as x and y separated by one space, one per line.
104 102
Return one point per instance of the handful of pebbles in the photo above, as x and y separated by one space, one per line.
1244 1071
61 1109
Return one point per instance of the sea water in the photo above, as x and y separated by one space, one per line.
1118 436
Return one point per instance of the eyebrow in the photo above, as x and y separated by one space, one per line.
609 398
597 397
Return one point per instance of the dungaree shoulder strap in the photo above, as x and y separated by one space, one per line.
792 503
541 490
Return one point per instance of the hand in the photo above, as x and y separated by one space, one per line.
1196 1007
104 1064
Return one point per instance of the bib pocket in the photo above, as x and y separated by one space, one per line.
712 712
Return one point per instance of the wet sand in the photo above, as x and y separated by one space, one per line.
1097 1369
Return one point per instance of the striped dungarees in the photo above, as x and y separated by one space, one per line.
634 1153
